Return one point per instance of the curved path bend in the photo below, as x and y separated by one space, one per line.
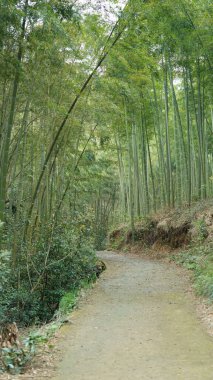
137 323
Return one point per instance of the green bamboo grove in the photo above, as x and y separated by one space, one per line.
101 122
164 140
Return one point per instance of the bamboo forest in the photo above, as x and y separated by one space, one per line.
106 119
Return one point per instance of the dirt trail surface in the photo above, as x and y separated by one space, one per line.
138 323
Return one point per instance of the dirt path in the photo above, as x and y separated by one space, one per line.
138 323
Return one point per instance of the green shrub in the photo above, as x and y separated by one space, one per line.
58 261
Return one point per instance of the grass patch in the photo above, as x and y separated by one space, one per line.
70 299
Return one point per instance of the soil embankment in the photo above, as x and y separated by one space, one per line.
169 230
138 323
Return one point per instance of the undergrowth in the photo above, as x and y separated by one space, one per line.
16 359
199 259
32 288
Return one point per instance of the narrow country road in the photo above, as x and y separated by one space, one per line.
137 323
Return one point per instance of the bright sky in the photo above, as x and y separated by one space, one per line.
107 8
